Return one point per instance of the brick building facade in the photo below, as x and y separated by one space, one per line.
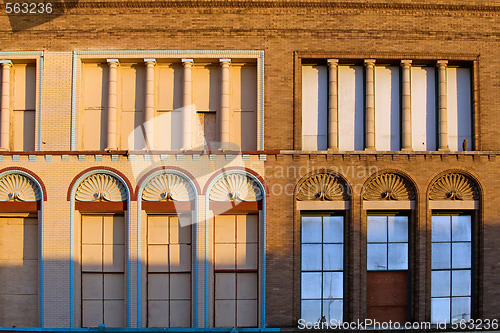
220 164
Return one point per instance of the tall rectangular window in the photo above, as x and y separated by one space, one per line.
451 287
23 133
322 267
103 258
387 266
236 270
169 272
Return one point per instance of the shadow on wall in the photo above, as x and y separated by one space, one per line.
26 15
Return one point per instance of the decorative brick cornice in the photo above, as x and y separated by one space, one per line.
276 4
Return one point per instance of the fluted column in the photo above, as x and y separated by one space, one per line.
224 102
149 107
370 104
443 105
333 108
5 106
187 104
111 129
406 103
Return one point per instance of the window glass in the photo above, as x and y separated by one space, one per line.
387 243
322 265
377 229
398 256
451 285
376 257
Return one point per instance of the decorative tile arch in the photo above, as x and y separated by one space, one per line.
101 185
454 186
388 186
235 187
167 186
322 187
18 187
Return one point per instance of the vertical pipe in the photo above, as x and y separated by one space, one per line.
333 109
5 107
111 129
406 103
187 104
370 104
149 110
224 103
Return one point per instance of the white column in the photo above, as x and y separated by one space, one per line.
5 106
370 104
187 105
443 105
111 130
149 107
333 107
224 102
406 103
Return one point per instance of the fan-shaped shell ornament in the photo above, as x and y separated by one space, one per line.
321 187
101 187
389 186
15 187
236 187
454 186
168 187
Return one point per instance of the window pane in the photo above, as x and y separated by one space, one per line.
311 285
398 256
333 257
440 310
333 229
461 283
376 229
461 255
461 228
332 310
311 229
333 285
441 256
460 308
311 310
398 228
441 229
440 284
311 257
376 258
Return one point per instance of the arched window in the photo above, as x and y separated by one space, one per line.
236 223
322 200
388 201
101 201
20 204
168 201
454 201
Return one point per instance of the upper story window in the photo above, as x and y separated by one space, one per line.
18 104
386 105
169 104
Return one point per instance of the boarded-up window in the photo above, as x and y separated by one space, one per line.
236 270
423 108
131 90
94 98
103 255
351 107
459 107
314 107
19 272
243 105
169 272
387 108
24 107
169 96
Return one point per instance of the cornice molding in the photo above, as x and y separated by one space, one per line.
275 4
